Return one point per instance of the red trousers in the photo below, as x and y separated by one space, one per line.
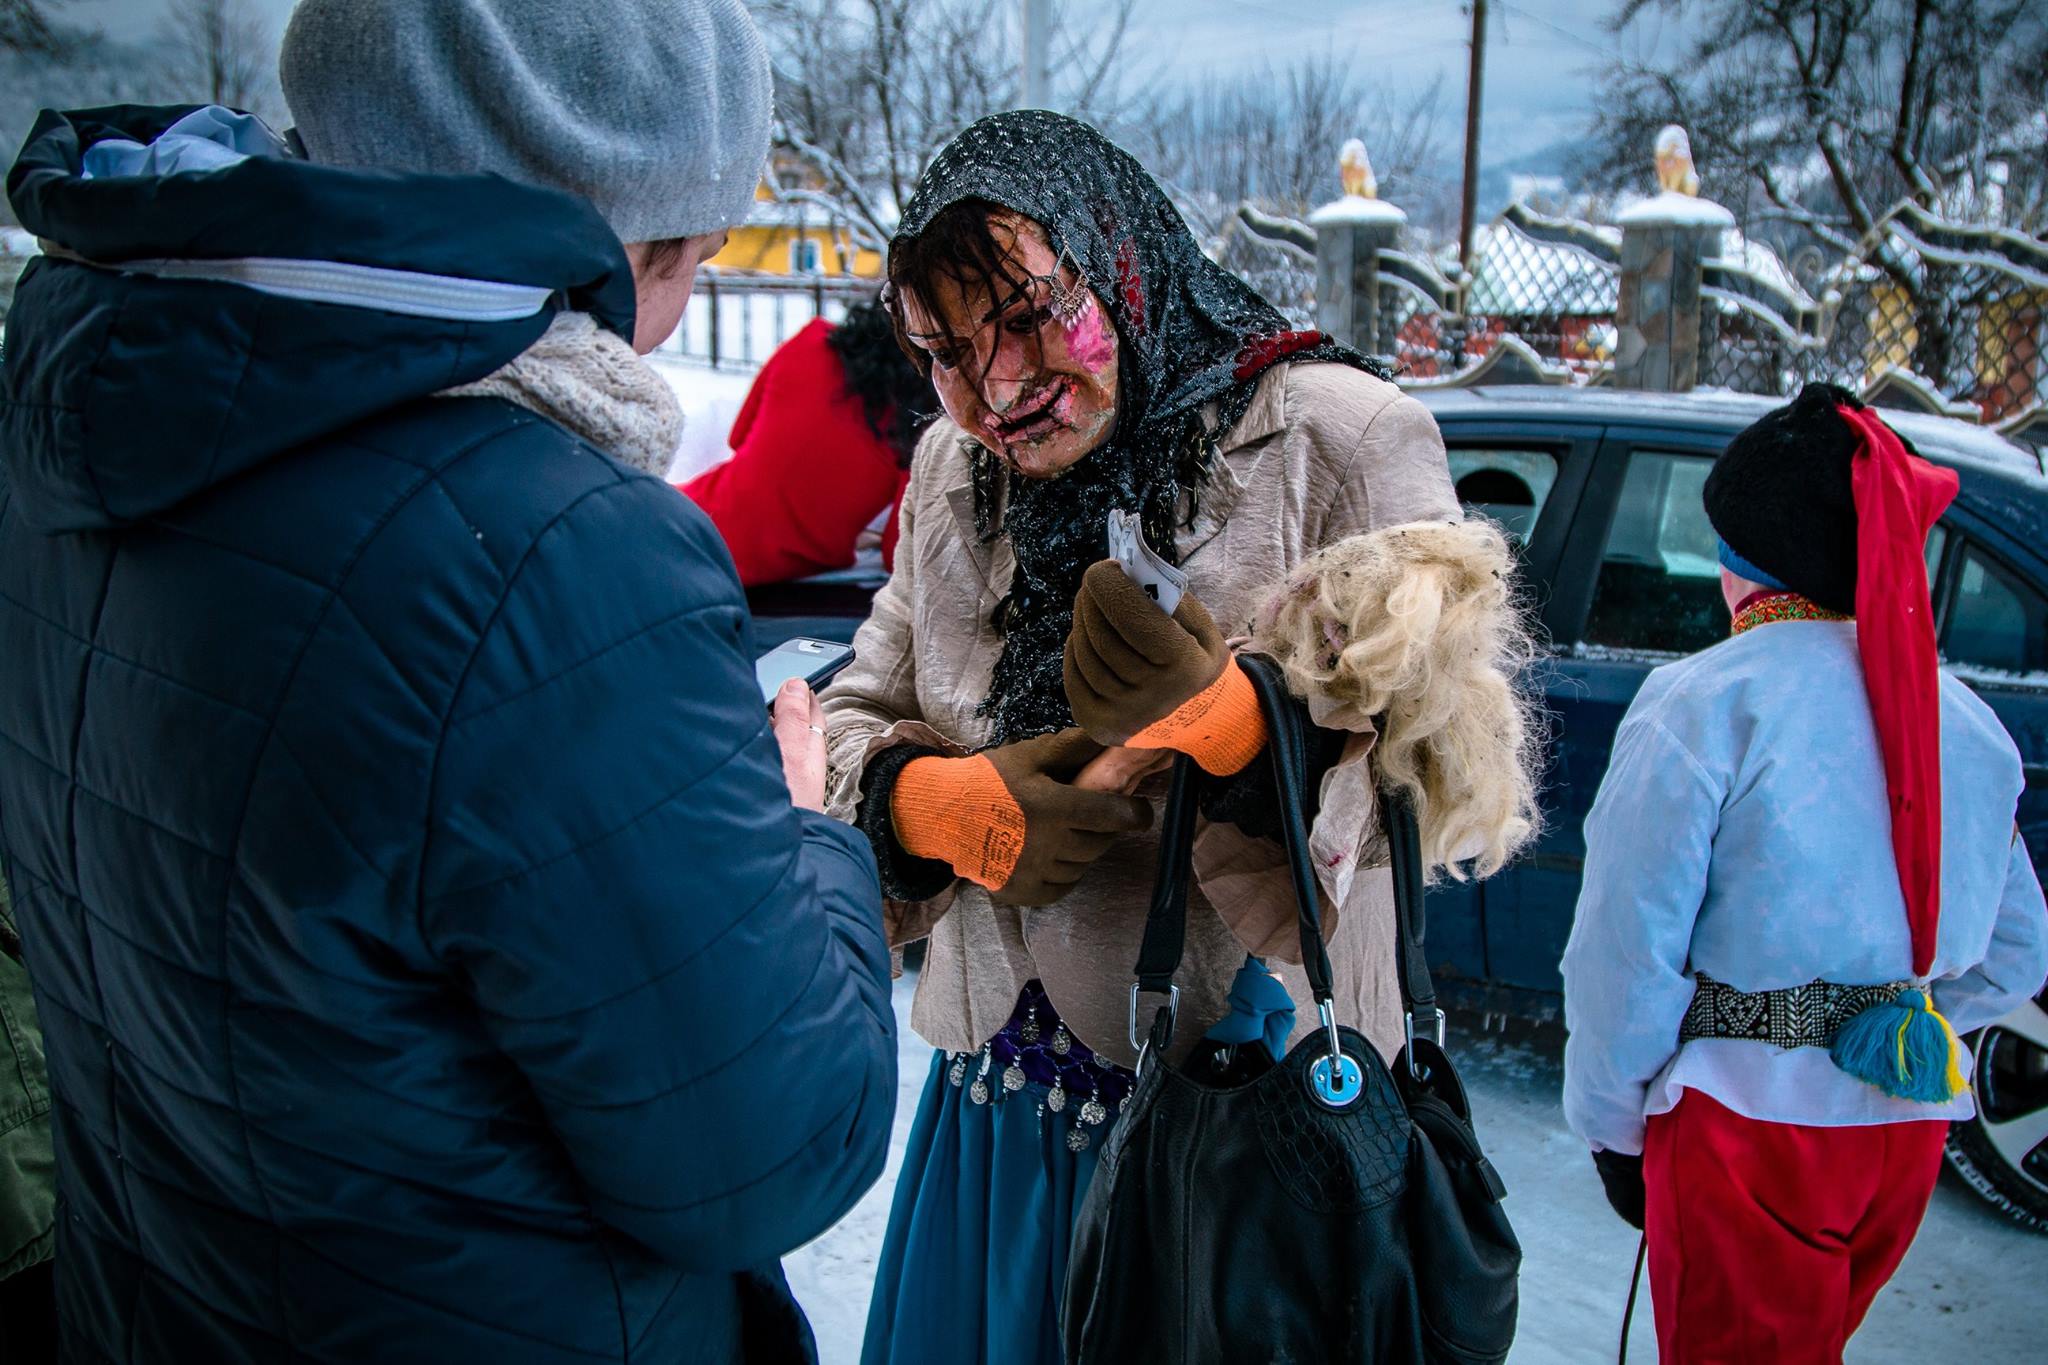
1769 1240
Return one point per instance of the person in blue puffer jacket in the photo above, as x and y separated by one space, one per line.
438 956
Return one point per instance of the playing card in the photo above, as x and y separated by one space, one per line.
1162 582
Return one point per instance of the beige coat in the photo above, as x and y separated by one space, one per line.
1324 452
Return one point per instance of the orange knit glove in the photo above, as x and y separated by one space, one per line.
1221 727
1138 677
1010 819
958 811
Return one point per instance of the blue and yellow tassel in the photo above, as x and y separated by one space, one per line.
1904 1048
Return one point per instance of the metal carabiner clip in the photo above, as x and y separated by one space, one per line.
1335 1080
1408 1027
1172 1016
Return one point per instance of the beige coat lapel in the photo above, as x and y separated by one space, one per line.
1237 456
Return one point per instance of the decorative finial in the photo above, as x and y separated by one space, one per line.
1357 171
1675 174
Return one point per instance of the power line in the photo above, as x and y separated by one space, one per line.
1558 29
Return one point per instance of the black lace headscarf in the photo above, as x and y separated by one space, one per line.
1190 333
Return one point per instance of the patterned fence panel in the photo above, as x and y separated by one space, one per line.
1756 323
1284 278
1416 321
1551 282
1274 254
1956 310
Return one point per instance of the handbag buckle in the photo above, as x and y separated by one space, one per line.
1335 1080
1172 994
1408 1027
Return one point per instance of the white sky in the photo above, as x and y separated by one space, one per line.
1540 54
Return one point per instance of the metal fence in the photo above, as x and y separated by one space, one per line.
736 320
1945 317
1550 283
1922 313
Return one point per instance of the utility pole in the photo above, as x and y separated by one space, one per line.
1035 87
1472 85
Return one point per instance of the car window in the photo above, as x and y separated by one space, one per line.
1995 620
1504 485
1660 579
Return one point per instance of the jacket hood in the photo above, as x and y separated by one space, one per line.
195 316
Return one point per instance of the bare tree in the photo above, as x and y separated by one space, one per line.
25 26
1822 113
1814 119
869 90
223 46
1272 138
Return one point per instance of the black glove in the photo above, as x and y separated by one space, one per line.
1622 1177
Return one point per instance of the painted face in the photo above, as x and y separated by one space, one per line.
1037 389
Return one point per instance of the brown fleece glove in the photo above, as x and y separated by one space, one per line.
1139 677
1010 819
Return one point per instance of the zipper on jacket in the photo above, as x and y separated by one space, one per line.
411 293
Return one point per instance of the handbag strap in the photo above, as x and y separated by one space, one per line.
1165 938
1404 848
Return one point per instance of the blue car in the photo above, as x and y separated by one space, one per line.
1601 489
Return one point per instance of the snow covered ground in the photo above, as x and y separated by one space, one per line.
711 399
1970 1290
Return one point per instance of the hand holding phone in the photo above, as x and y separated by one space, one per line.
799 726
814 661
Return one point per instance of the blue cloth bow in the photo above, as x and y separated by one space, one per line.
1261 1010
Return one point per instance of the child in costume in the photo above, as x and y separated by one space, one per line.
1802 879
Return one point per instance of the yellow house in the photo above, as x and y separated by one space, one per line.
2011 334
782 237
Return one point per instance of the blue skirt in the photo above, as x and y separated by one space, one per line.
974 1264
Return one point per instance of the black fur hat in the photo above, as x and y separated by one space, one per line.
1780 496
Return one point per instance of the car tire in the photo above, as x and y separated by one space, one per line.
2002 1153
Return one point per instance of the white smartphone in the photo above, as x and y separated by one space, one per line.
1162 582
815 661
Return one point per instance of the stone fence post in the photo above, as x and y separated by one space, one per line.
1666 242
1350 235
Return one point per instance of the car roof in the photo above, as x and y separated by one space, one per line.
1945 440
2001 480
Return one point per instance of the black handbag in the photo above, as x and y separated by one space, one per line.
1321 1208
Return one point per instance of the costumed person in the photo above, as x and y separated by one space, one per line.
820 452
1802 880
1090 360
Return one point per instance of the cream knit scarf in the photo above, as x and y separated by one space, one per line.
589 380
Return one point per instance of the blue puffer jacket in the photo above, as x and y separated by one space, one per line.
431 963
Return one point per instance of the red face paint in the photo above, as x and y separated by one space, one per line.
1091 341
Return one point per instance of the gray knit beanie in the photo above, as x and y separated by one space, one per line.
654 110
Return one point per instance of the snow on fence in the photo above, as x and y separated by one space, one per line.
1937 316
1924 313
736 319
